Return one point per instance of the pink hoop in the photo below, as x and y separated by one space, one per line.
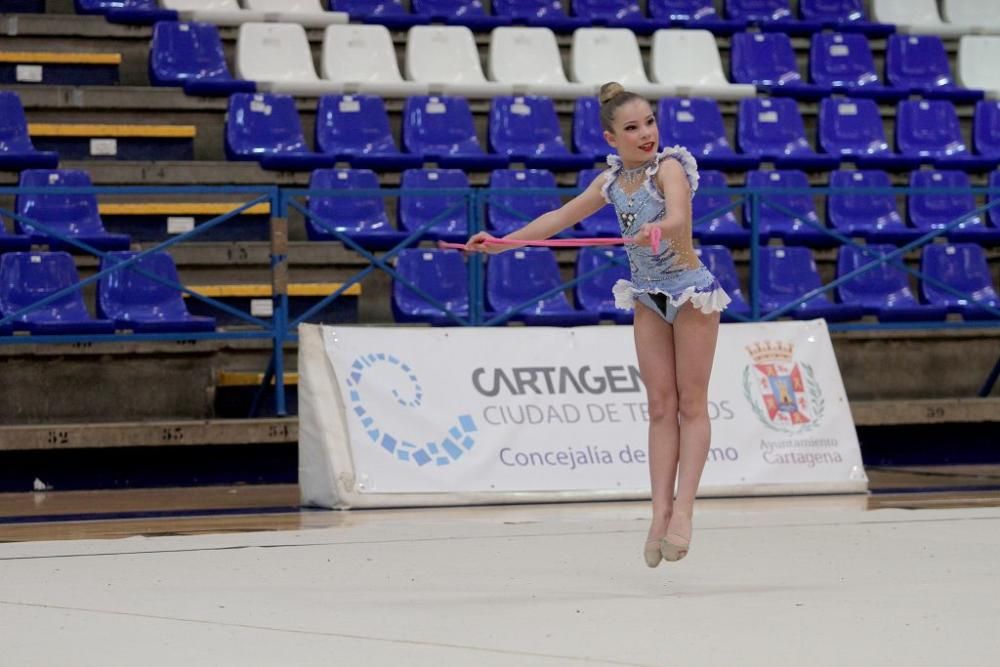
655 236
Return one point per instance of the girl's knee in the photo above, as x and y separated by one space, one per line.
662 405
692 406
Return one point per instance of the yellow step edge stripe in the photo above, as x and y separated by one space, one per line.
181 208
98 130
53 58
249 378
264 290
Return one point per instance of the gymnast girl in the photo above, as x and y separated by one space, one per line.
680 301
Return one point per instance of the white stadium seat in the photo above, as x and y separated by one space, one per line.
219 12
362 59
612 54
277 56
447 60
689 62
978 56
309 13
529 60
918 17
984 14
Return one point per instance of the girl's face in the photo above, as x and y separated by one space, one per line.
635 133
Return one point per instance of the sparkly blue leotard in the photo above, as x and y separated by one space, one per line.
665 281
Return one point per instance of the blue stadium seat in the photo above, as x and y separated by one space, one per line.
389 13
442 130
526 129
873 217
139 12
617 14
713 223
883 291
694 15
772 129
770 15
588 135
768 61
137 302
932 211
13 242
845 63
787 274
449 213
994 197
594 294
719 261
776 224
523 274
355 129
844 16
929 129
697 125
16 150
266 128
71 215
538 13
469 13
191 55
759 10
963 267
440 273
853 130
29 277
919 64
507 212
605 221
362 218
986 128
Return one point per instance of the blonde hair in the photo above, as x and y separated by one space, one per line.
611 96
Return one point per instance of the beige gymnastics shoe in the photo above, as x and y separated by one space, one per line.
673 548
651 552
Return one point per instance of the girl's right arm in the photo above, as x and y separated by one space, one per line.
549 224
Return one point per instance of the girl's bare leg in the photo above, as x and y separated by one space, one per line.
654 344
695 335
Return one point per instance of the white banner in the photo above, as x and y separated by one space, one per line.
418 416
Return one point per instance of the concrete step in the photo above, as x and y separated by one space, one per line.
283 431
236 432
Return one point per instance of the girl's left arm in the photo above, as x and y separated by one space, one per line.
676 191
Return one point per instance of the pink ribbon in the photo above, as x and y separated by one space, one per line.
655 236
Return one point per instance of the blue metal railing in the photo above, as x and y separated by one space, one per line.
281 328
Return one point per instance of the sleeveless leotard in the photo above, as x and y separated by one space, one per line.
676 272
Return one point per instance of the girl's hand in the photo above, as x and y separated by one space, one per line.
478 243
646 235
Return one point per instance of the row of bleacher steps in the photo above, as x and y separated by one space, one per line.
932 127
213 135
721 16
62 457
182 380
90 229
380 222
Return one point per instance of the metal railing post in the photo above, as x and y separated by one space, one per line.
476 291
754 256
279 295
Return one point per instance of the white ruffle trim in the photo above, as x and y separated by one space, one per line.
688 162
679 153
707 302
615 163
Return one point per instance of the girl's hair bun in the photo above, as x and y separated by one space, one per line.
609 91
612 96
